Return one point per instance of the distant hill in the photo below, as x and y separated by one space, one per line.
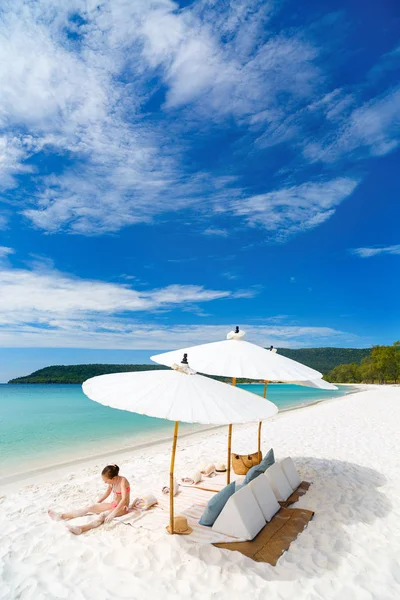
79 373
325 359
321 359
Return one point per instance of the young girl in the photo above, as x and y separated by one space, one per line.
118 485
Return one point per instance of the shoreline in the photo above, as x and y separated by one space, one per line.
34 475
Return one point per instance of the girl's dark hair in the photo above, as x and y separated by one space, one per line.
110 471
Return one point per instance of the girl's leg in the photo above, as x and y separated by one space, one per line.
77 530
80 512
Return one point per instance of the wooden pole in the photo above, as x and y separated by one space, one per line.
260 424
171 479
228 470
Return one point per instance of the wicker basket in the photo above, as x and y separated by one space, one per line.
243 463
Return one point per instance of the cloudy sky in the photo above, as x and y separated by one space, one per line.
169 170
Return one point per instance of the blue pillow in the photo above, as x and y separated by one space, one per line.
216 504
255 471
268 460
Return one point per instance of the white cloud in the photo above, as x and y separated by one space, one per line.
70 310
216 231
12 152
230 275
296 208
29 296
76 78
368 252
127 334
5 251
372 129
69 98
388 62
241 77
46 308
83 97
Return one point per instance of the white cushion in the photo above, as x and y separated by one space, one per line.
265 497
277 480
241 516
289 469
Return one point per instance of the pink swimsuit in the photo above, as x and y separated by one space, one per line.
128 489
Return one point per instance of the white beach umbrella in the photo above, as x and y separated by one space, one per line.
234 357
177 395
317 383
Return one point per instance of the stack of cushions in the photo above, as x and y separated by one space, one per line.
277 480
278 483
257 470
241 516
265 497
216 504
289 469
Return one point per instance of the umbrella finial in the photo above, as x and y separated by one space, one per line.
235 335
184 366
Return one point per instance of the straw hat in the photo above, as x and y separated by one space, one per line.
220 468
180 526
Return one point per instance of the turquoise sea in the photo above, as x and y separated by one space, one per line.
42 425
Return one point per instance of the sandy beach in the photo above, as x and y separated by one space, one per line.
348 449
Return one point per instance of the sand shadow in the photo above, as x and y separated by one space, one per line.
341 494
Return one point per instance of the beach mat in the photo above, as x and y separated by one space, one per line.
211 486
275 538
214 483
300 491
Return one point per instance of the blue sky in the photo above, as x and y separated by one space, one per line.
169 170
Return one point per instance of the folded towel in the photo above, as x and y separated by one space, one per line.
209 470
195 478
145 502
165 489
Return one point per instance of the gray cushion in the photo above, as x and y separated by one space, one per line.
255 471
216 504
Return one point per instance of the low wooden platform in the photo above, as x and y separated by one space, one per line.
275 538
300 491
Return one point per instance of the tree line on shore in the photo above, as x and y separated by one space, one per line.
382 366
320 359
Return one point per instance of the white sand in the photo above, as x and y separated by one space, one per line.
348 448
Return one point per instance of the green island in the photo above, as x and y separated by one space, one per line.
329 361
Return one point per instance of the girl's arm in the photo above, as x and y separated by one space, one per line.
120 504
108 492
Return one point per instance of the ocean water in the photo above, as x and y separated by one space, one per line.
42 425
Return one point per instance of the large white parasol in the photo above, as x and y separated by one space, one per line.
317 383
234 357
178 395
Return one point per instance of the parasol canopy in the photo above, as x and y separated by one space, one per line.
235 357
317 383
177 395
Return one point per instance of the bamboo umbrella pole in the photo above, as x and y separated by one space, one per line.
228 470
171 479
260 424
